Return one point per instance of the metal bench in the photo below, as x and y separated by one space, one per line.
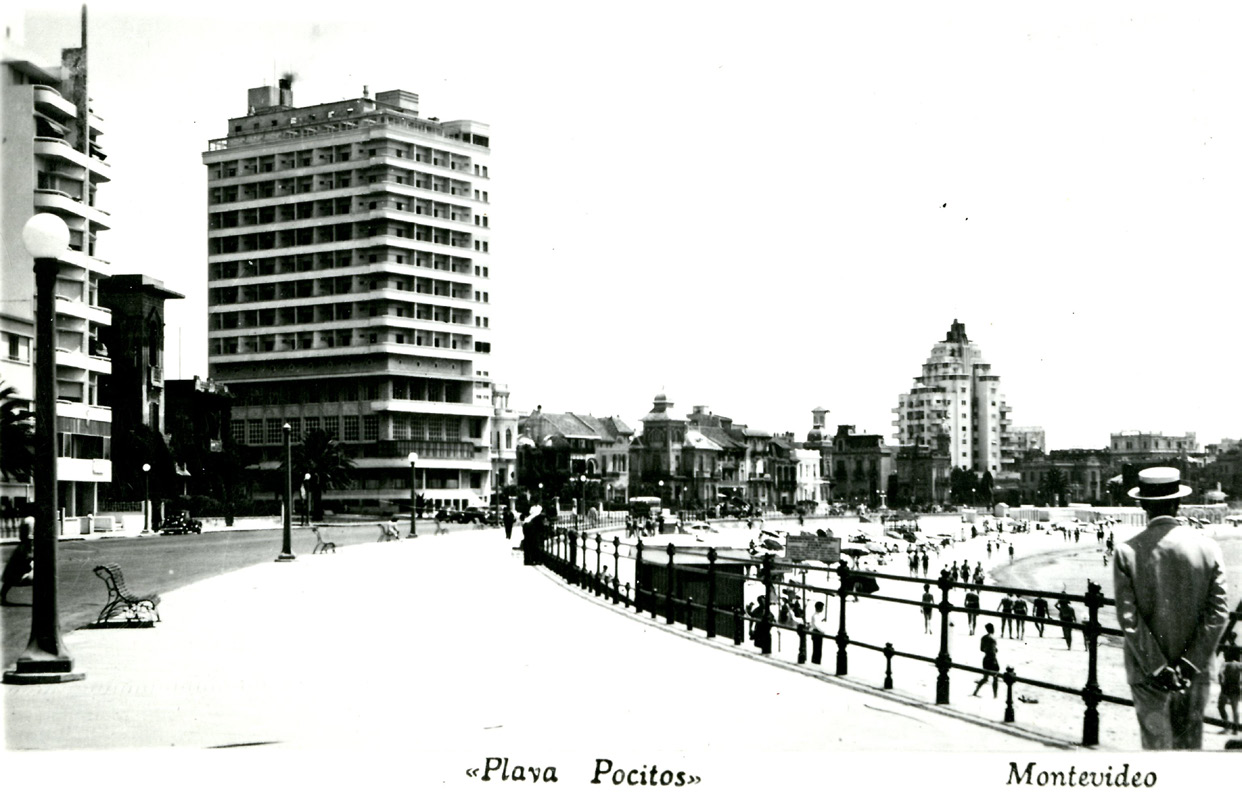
121 600
322 546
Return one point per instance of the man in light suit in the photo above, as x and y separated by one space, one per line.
1171 605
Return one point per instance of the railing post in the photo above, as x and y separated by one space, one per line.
668 587
711 593
943 659
1009 678
1091 692
638 575
599 555
802 642
689 613
843 638
888 665
738 625
584 573
616 567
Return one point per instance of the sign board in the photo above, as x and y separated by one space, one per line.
813 548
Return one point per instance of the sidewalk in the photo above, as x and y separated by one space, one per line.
448 643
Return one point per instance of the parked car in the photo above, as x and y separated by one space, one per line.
181 523
470 514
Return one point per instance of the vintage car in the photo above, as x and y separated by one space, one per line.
180 523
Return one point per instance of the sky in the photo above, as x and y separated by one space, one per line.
761 208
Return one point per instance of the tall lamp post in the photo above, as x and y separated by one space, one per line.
306 500
45 659
413 495
146 498
286 553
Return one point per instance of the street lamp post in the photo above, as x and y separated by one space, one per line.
306 500
286 553
146 498
541 494
413 494
45 659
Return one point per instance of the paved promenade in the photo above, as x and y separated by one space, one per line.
441 643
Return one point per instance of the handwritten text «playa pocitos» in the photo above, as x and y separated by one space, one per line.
495 768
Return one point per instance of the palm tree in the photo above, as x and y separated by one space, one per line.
323 458
17 442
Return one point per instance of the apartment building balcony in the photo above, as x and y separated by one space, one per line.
430 407
49 101
62 203
79 310
80 360
84 470
76 410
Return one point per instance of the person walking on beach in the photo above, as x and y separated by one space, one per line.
1041 613
1066 613
1230 687
978 576
1019 616
1172 608
972 609
965 573
924 563
991 664
989 549
508 519
1006 609
927 602
1011 552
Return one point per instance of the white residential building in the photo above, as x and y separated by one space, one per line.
349 289
956 403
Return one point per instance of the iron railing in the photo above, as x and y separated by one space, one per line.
596 562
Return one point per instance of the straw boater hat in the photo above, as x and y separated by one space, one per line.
1160 483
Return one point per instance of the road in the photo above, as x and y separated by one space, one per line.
160 564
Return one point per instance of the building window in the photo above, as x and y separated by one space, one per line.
237 430
351 429
332 426
312 424
255 431
273 431
370 427
400 428
295 429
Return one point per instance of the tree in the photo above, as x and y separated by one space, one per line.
17 442
1053 487
962 485
985 487
321 456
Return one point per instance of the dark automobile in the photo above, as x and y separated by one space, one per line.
471 514
180 523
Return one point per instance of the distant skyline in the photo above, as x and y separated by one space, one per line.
761 213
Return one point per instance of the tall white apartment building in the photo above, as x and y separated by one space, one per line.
53 161
349 289
956 403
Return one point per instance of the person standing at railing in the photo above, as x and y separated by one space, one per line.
926 605
1172 608
818 622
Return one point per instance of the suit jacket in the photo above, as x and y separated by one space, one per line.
1171 597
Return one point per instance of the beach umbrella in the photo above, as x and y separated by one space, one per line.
876 547
854 550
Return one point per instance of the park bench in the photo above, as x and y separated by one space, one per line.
320 545
121 600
